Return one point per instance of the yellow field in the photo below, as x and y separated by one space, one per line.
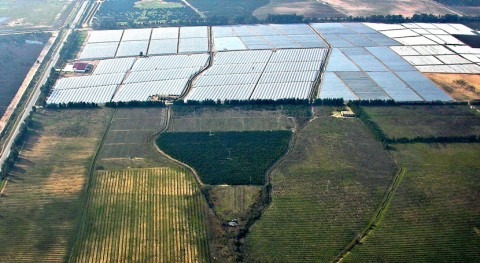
41 202
143 215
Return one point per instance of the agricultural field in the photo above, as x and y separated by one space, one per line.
434 215
304 8
233 158
129 141
16 58
233 202
16 14
323 194
215 119
461 87
143 215
41 201
227 8
426 120
405 8
135 13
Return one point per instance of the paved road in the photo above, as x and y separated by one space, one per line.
36 93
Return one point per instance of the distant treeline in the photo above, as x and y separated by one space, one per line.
287 19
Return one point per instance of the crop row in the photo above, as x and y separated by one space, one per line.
143 215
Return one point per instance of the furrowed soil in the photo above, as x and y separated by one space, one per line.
323 194
143 215
129 142
40 204
434 214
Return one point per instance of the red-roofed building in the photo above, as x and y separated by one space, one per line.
81 67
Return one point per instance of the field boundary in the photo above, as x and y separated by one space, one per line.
377 218
87 189
151 140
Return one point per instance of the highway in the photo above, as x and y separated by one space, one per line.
36 92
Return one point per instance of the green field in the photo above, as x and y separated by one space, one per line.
135 13
143 215
229 8
426 120
154 4
434 215
323 194
34 13
233 158
41 202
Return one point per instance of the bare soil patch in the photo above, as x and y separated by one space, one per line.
461 87
306 8
384 7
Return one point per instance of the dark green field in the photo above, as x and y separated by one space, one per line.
232 158
435 213
128 13
323 194
426 120
229 8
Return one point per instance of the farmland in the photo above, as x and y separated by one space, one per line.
231 158
140 215
128 144
16 59
206 119
299 7
229 8
233 202
34 13
323 194
42 198
426 120
130 13
405 8
434 215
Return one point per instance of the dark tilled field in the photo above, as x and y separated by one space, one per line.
130 130
16 59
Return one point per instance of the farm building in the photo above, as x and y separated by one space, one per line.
81 67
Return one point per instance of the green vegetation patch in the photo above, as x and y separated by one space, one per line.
412 121
228 8
34 13
153 4
233 158
434 215
323 194
132 13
